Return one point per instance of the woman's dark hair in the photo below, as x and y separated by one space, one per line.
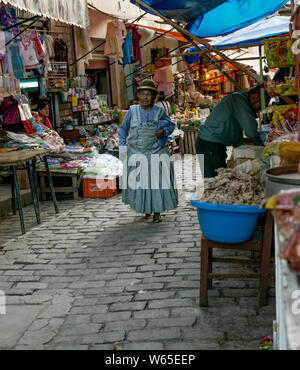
42 104
161 96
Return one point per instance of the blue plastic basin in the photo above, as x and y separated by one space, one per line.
226 223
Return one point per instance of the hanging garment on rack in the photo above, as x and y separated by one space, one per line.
36 43
2 45
48 44
15 60
10 111
28 54
136 38
126 49
8 18
84 45
113 44
122 30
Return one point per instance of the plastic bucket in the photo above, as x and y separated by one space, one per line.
226 223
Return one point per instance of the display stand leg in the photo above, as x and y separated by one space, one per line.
14 170
34 194
51 184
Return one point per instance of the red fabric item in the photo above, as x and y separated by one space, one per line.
136 38
28 127
43 120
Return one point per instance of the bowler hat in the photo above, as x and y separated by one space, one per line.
147 85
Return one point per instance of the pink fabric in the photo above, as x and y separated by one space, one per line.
122 30
165 87
43 120
10 111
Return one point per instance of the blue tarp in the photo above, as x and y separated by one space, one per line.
251 35
210 18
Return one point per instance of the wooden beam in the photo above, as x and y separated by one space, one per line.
209 48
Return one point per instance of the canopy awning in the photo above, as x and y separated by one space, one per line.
171 34
249 36
211 18
66 11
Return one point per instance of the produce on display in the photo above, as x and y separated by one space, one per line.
231 187
286 205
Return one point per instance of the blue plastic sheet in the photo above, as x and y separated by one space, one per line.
210 18
251 35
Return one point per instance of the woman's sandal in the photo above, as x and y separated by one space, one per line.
157 219
147 215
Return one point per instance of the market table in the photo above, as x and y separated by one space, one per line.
22 157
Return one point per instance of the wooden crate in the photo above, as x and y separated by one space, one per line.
189 140
23 179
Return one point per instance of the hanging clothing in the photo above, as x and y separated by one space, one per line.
8 18
2 45
164 79
36 43
126 49
15 60
148 191
84 45
48 44
122 30
113 44
136 38
10 111
28 54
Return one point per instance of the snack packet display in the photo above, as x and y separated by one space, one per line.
279 53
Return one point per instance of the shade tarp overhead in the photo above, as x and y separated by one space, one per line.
210 18
249 36
171 34
67 11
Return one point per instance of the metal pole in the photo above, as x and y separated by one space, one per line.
26 28
20 23
103 42
145 65
149 42
89 52
193 37
220 68
262 90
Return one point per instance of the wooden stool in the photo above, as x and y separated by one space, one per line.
262 245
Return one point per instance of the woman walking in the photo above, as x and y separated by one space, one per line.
148 176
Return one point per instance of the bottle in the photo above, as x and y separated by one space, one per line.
270 117
265 123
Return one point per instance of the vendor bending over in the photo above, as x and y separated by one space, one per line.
225 125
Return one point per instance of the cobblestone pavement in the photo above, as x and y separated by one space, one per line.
98 276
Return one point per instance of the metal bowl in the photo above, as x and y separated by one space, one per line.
281 178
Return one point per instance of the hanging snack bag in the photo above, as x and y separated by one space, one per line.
278 53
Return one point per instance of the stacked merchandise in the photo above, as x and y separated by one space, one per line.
73 159
277 121
287 210
100 176
80 93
